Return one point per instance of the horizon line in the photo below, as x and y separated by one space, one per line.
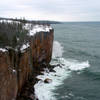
50 20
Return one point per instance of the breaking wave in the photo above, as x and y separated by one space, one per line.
57 50
63 70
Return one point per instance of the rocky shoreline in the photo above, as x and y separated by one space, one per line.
28 92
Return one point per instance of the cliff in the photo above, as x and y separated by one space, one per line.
17 65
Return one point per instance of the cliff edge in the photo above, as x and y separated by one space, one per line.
19 63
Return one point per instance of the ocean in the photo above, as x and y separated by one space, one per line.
76 52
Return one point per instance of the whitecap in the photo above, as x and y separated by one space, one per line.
45 91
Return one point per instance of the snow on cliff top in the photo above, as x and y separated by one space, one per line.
33 29
3 50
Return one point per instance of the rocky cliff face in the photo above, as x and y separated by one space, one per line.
16 66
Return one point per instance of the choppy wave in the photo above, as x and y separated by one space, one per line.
63 70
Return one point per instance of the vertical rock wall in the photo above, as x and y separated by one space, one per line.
16 67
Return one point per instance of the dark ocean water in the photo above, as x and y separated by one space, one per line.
81 42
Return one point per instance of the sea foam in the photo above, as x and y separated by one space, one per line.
63 70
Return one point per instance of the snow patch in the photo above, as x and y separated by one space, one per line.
14 71
24 46
3 50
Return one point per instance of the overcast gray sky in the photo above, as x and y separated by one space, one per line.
61 10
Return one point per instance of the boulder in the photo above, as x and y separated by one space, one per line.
47 80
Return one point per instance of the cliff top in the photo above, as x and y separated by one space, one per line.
15 33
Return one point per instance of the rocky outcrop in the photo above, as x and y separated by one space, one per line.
16 67
47 80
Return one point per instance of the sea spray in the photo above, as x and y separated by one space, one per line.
63 70
57 50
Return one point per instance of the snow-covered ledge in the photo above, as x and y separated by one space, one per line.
3 50
33 29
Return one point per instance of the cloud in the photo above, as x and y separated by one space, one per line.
65 10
